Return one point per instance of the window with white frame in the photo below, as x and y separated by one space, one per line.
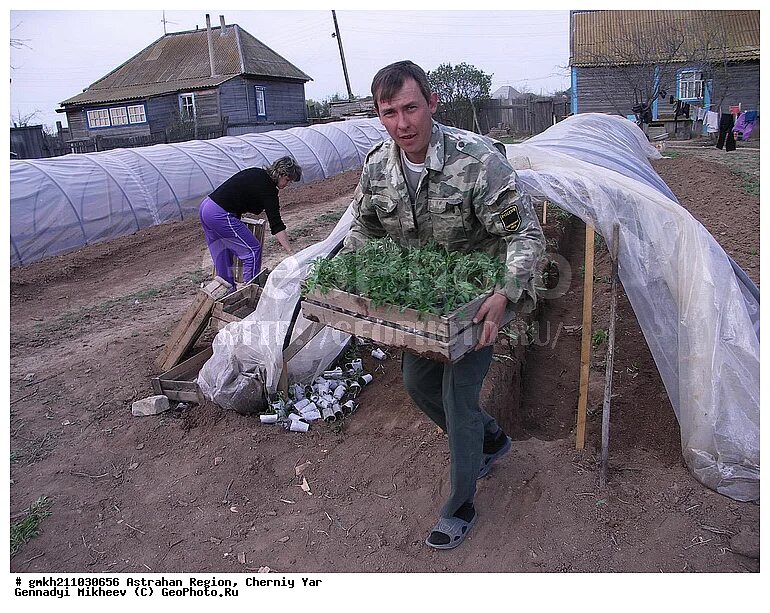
187 106
690 85
136 114
100 118
118 116
260 101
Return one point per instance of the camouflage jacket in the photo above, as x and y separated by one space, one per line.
467 199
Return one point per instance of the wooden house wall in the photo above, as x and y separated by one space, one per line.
609 90
284 102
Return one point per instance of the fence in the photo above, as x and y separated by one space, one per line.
522 116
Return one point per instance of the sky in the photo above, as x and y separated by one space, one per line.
60 53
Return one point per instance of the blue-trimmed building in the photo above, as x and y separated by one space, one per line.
634 62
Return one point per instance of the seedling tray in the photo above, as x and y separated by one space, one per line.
440 337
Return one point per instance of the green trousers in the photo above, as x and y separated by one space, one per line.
449 394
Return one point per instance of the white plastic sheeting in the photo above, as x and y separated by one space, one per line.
698 318
64 203
255 344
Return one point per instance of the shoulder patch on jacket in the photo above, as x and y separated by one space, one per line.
510 218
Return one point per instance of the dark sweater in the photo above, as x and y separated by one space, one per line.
250 191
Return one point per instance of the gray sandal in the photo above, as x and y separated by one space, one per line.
488 459
455 528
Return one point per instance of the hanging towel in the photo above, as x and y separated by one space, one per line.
712 122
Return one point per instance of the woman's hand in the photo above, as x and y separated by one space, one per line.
284 242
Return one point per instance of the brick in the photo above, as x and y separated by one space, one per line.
151 405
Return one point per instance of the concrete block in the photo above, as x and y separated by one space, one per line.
151 405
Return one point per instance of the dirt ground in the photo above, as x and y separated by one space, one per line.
207 490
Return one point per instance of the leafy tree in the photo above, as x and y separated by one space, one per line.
460 88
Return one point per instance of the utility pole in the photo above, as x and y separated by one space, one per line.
342 54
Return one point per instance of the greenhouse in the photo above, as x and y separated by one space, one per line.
65 203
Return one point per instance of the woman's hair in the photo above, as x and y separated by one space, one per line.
285 166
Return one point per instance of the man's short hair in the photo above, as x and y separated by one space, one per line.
390 79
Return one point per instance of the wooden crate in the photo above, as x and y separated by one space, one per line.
239 304
179 383
440 337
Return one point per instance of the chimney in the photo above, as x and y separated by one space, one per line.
222 25
211 44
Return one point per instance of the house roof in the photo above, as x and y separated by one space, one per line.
629 37
180 62
506 92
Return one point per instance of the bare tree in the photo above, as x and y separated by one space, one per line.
639 65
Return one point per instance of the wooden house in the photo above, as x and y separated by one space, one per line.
196 84
633 62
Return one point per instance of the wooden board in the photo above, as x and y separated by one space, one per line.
257 227
441 327
239 304
178 383
585 347
419 339
192 324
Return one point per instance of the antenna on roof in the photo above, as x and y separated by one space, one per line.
165 21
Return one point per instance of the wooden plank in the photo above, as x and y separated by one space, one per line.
179 342
190 333
442 327
303 339
585 349
610 359
179 384
362 306
380 333
176 335
188 369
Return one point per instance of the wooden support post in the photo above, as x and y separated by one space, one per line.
585 350
545 211
610 357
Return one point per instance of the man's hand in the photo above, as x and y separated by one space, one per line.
491 313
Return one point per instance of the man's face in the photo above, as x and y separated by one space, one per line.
407 117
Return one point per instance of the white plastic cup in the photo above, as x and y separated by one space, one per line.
365 379
311 415
302 404
294 417
350 406
328 414
356 365
340 392
378 353
268 419
299 426
333 374
337 409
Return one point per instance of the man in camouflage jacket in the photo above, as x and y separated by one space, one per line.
436 183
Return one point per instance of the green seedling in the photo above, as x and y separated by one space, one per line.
429 279
28 528
598 337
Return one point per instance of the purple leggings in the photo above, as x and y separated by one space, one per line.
226 236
